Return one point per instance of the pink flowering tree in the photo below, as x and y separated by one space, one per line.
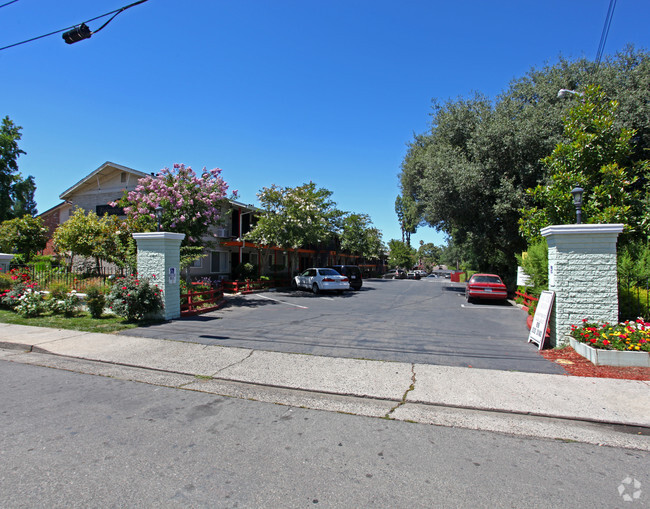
191 205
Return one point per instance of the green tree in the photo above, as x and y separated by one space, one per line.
359 237
595 156
16 193
469 173
25 235
429 254
295 217
400 254
408 216
82 235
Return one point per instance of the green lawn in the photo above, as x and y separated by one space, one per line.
81 322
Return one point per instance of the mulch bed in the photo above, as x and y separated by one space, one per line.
576 365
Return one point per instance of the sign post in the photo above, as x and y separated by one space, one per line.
540 320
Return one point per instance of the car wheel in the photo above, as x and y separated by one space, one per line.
468 298
315 288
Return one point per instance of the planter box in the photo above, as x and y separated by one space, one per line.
611 357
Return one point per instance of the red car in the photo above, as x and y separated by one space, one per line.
485 286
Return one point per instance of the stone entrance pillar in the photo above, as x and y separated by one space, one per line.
582 273
159 256
5 260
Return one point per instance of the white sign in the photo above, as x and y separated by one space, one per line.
523 279
172 275
540 320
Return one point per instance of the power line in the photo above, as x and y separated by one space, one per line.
115 12
605 33
8 3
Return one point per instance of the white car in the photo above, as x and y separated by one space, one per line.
321 279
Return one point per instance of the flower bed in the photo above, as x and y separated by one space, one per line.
622 344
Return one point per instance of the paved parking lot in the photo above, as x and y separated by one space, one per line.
426 321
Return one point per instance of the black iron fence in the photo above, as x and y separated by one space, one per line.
47 277
633 299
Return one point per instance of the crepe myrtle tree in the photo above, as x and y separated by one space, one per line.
295 217
191 205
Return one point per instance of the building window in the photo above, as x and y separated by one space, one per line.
197 264
219 261
123 177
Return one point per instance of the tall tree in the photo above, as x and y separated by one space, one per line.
295 217
407 215
16 193
595 157
470 173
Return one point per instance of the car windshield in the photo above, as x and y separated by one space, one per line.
486 279
328 272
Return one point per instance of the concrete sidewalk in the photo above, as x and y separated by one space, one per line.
556 406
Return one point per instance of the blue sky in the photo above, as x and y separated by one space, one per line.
273 91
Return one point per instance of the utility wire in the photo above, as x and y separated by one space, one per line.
8 3
605 33
115 12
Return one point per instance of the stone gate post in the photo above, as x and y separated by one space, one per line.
159 255
5 260
582 273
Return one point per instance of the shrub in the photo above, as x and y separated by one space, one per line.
96 300
59 290
535 264
134 298
5 282
67 306
30 304
245 271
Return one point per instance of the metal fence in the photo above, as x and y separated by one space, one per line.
47 277
633 299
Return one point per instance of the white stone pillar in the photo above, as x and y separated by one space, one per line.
159 256
582 273
5 261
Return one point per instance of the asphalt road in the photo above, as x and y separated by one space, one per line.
426 321
73 440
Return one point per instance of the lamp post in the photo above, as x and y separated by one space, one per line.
577 201
565 92
159 214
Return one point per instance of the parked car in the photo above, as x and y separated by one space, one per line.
319 279
395 274
413 275
352 272
485 286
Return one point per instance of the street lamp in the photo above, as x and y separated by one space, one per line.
565 92
159 214
577 201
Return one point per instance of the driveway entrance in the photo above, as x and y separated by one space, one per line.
425 321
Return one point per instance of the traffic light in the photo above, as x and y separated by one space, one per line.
77 34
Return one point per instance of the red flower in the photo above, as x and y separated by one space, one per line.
605 342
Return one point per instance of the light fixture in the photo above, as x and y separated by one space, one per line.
565 92
577 201
78 33
159 215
